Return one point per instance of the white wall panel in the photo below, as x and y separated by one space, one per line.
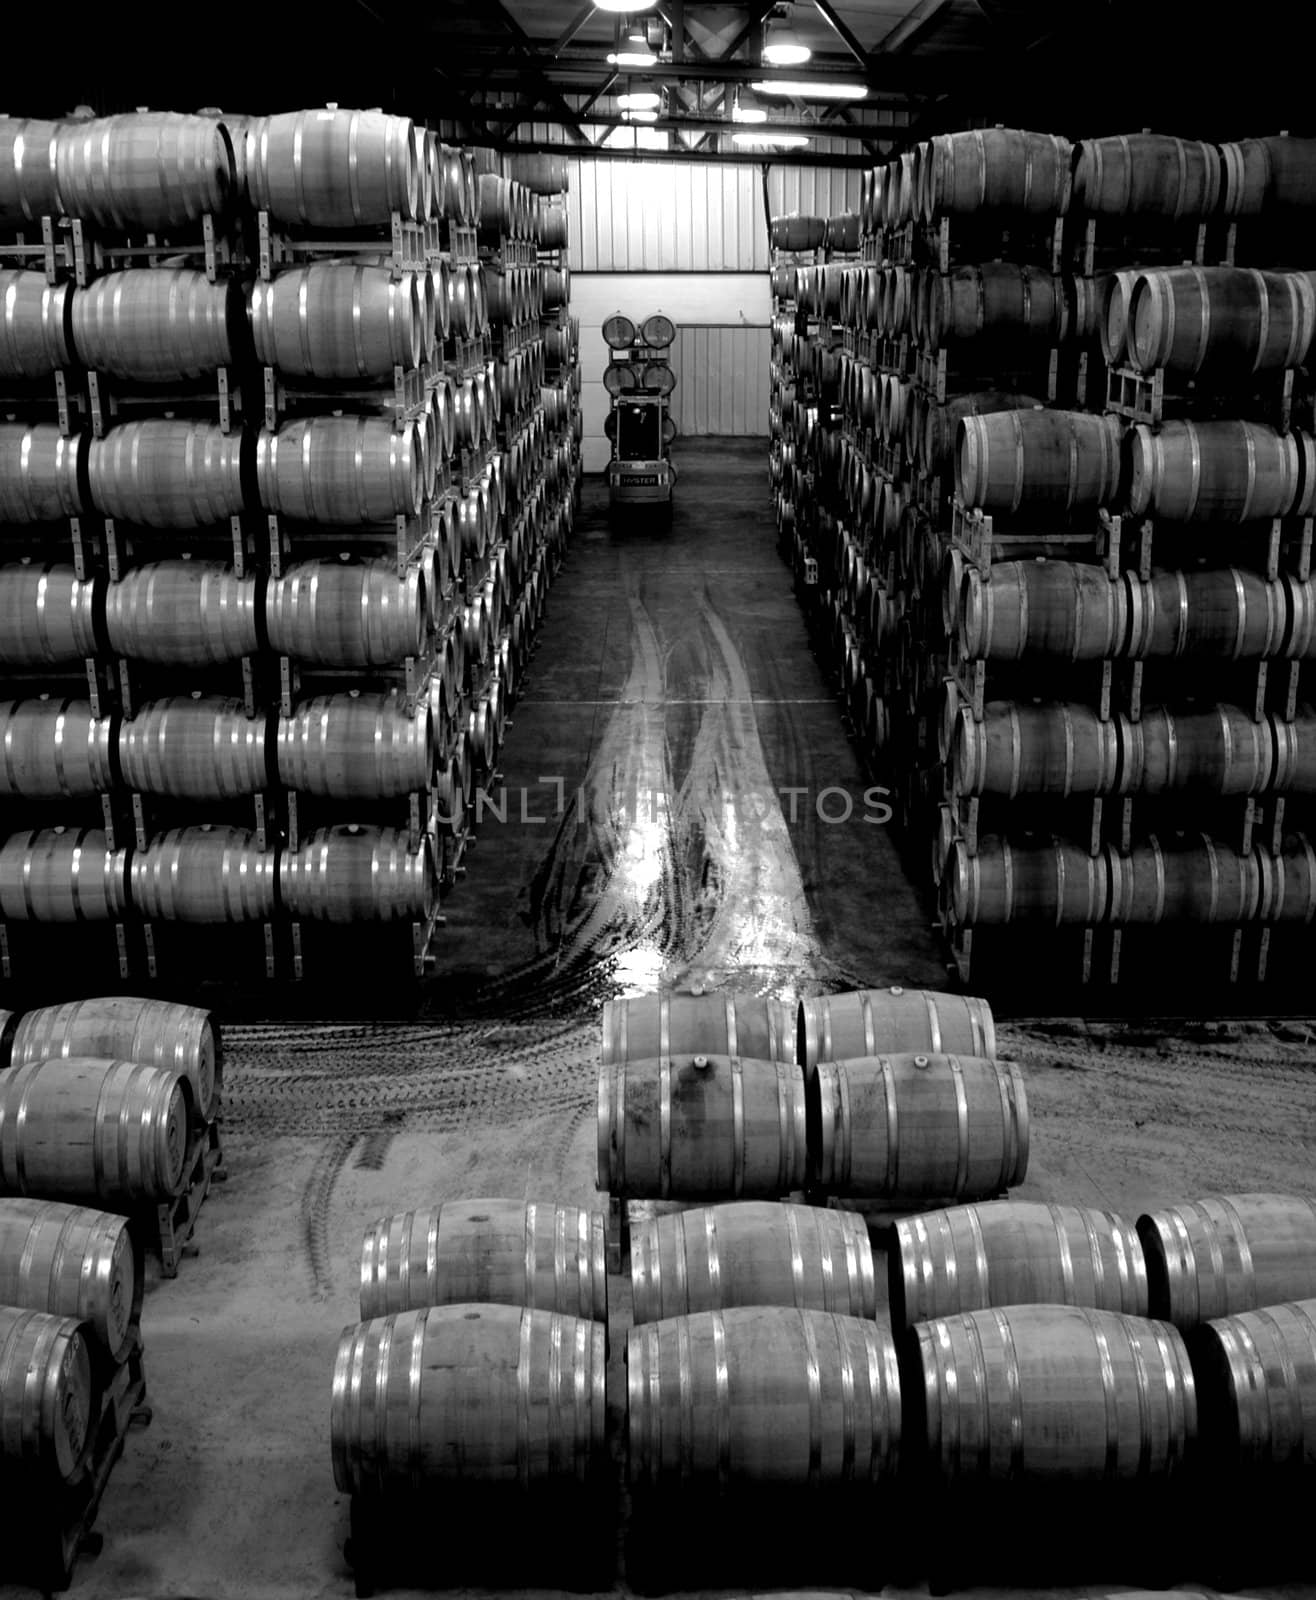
721 380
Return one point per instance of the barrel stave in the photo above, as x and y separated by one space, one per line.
72 1261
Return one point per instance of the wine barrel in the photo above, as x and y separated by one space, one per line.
541 174
881 1022
1226 615
1058 883
332 168
1042 608
553 228
1229 321
42 474
657 377
655 1025
336 320
1228 1253
83 1127
185 613
1115 326
477 1394
49 1396
35 324
1221 751
1013 1253
752 1253
1220 471
996 300
619 332
499 1252
157 325
175 1038
555 288
1043 749
71 1261
356 615
1290 174
1198 881
352 873
28 189
621 377
916 1126
1287 891
355 747
344 471
61 875
994 169
204 874
1256 1389
1082 307
203 748
940 421
1047 460
497 208
658 331
761 1395
1146 174
55 750
144 169
794 232
700 1127
1061 1393
843 231
168 474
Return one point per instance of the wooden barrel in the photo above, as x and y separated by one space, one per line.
621 377
1043 608
882 1022
1034 749
1219 471
1198 881
332 168
488 1394
553 228
656 1025
555 288
1082 307
336 320
205 874
83 1127
915 1126
353 873
658 331
49 1397
1225 614
795 232
1061 1393
356 615
701 1126
1146 174
940 421
1256 1389
340 470
28 189
499 1252
1229 321
1012 1253
843 231
1057 883
168 474
35 324
752 1253
355 746
1114 326
1228 1253
175 1038
71 1261
157 325
496 208
55 749
619 332
541 174
144 169
42 474
62 875
1220 751
996 300
185 613
995 169
1287 891
1048 460
206 748
657 377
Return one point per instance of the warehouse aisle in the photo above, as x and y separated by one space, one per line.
682 804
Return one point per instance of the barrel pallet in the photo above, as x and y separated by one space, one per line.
459 241
401 540
962 240
872 250
319 951
30 952
113 546
405 400
977 681
178 951
405 244
245 678
167 1228
894 355
410 676
51 254
473 464
513 425
50 1528
1065 956
93 676
463 358
511 339
59 397
510 253
956 369
218 397
219 244
1094 243
415 812
1280 399
1080 818
984 537
146 815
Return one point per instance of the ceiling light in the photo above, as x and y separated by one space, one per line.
782 46
743 109
810 89
640 116
632 58
765 136
640 100
625 5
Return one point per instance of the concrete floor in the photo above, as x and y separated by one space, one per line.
670 663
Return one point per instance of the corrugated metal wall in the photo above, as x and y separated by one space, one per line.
721 380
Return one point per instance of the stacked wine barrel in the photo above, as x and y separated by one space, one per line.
263 684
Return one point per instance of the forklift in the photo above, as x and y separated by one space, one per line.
640 381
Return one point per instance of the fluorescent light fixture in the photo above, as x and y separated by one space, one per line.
782 46
765 136
810 89
632 58
744 110
625 5
640 100
640 116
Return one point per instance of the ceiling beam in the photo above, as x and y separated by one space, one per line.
742 158
513 118
911 28
829 15
552 94
573 27
898 92
597 95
